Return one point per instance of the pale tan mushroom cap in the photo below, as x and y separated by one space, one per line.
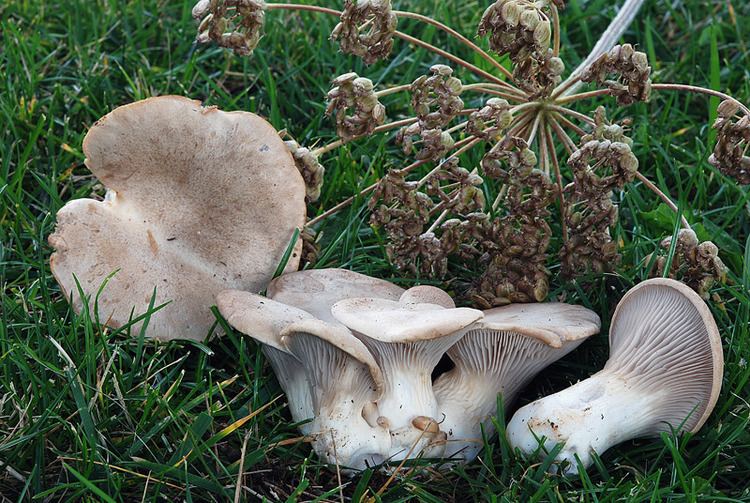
393 321
553 323
316 290
261 318
199 201
663 336
426 294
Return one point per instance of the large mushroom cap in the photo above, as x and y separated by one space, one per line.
663 335
316 290
392 321
553 323
199 201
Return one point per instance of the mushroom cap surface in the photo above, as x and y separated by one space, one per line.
663 334
392 321
426 294
263 319
316 290
553 323
198 201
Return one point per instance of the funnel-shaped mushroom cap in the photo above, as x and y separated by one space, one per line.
198 201
316 290
664 372
501 353
663 335
426 294
266 321
391 321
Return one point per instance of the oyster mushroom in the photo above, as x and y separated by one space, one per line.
345 381
501 353
407 340
198 201
664 371
265 320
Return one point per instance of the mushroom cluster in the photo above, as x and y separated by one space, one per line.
355 356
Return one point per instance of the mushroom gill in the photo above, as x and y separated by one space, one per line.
500 354
664 372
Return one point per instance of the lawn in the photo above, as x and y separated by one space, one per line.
88 413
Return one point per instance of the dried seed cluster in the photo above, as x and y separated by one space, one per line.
355 106
309 167
631 66
522 29
514 246
436 102
733 136
694 263
366 29
589 211
234 24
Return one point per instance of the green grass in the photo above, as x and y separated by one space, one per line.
97 415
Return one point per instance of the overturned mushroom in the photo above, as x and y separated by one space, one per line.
407 340
501 353
198 201
264 320
664 371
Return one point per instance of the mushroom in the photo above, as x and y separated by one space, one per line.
501 353
316 290
345 381
264 320
198 201
407 341
664 371
326 373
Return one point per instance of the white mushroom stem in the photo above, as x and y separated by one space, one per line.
293 381
664 372
342 388
407 340
591 416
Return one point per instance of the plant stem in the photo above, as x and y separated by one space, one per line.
582 96
558 177
569 144
392 90
482 88
556 31
648 183
408 38
567 123
457 60
697 89
572 113
463 145
438 220
534 129
466 41
380 129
